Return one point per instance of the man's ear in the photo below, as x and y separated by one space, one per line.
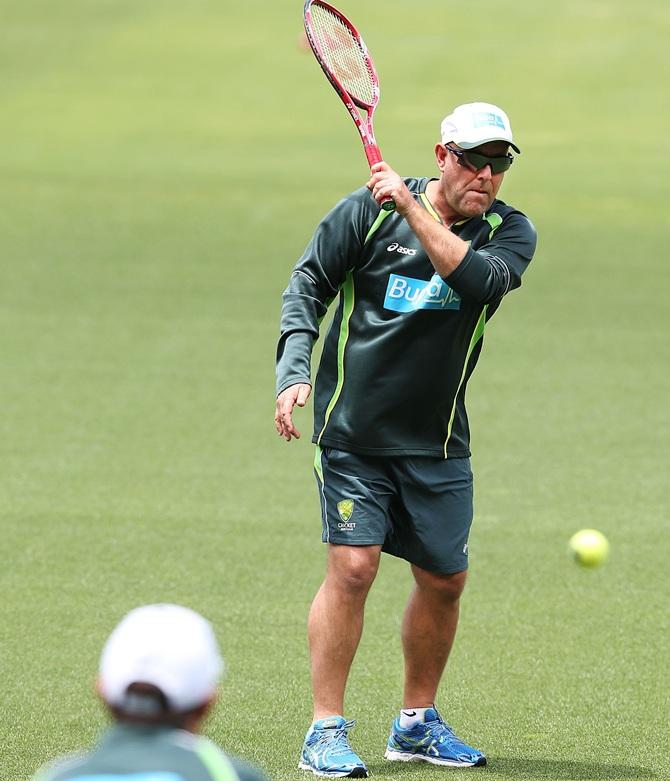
209 704
441 156
194 719
97 688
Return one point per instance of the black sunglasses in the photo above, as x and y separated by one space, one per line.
475 161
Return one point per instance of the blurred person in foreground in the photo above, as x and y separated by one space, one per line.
416 288
158 677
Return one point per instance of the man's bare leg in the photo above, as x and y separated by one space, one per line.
428 631
336 622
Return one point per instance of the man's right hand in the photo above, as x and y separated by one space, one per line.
287 399
385 183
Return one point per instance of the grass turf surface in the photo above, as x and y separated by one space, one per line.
158 179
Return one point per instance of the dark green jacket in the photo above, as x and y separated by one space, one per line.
139 753
403 342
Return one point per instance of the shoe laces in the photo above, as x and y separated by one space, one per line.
441 731
336 739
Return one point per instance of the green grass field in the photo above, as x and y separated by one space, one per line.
162 165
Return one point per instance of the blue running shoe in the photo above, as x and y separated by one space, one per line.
433 741
326 751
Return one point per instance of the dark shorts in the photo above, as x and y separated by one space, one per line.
417 507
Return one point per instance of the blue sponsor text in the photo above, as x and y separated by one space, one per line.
406 294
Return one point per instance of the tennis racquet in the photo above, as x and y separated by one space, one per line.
344 58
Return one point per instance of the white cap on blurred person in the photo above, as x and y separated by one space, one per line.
473 124
167 646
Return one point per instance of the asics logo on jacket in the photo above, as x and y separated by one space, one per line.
395 247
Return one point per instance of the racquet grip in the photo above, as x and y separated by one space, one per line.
388 205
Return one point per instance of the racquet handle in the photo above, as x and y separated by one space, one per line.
375 156
373 153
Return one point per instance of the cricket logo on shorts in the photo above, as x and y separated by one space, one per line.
345 508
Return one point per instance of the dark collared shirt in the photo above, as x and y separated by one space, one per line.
403 342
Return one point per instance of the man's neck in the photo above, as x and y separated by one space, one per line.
439 204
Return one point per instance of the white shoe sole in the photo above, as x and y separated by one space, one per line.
305 766
401 756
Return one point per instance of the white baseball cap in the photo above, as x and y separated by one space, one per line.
168 646
473 124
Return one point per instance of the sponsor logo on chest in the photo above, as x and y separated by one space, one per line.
395 247
406 294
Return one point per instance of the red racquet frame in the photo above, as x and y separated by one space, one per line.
353 105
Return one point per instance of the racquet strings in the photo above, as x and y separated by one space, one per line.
344 55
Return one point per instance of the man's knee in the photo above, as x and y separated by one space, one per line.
354 567
448 587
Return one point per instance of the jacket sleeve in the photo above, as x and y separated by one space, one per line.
486 274
316 280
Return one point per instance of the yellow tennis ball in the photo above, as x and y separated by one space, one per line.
589 547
